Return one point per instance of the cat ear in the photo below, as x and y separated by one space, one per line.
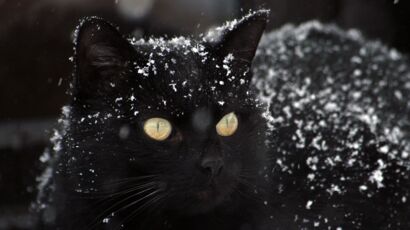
241 38
101 52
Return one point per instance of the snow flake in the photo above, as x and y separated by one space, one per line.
309 204
377 175
174 86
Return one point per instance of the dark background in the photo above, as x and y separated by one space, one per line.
35 46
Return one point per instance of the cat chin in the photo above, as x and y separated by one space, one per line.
205 202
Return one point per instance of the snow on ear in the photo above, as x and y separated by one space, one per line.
240 38
101 51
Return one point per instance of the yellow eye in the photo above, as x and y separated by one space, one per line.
157 128
227 125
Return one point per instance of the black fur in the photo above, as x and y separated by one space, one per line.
289 165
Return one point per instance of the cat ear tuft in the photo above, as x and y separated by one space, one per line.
100 50
240 38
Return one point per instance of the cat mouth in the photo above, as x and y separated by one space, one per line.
208 191
206 195
207 199
211 194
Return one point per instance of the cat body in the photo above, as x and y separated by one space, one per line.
321 135
340 129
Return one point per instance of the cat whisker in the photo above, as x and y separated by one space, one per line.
244 181
137 201
128 179
110 209
109 194
250 189
129 182
147 204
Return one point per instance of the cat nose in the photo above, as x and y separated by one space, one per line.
212 165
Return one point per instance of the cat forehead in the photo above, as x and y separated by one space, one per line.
186 60
175 64
181 74
175 48
178 59
177 98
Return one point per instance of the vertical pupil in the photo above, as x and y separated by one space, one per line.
227 122
157 126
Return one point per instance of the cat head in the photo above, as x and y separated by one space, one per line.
177 120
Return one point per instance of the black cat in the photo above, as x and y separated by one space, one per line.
189 134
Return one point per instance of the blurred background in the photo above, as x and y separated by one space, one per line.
35 47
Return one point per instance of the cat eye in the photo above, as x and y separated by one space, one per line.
228 125
157 128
